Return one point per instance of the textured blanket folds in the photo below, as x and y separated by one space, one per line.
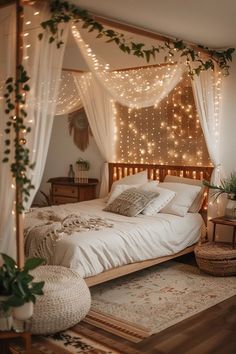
41 236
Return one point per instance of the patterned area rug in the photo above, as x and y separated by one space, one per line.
67 342
151 300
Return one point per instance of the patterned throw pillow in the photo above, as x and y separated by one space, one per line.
131 202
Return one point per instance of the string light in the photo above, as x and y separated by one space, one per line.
168 134
68 99
133 86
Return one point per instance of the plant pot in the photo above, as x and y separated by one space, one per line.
6 320
21 314
230 210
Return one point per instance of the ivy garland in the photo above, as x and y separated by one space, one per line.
15 95
63 11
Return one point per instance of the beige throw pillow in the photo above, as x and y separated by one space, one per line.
131 202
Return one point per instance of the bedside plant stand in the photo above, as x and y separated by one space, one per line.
222 221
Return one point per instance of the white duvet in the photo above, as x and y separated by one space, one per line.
129 240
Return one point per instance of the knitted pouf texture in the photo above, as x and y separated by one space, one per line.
65 302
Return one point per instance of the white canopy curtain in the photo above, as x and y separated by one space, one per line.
43 62
7 190
99 108
133 88
207 95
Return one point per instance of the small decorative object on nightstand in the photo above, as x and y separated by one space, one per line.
218 258
65 190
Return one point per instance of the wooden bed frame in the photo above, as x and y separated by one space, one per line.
155 172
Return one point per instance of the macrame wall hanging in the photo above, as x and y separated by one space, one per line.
79 128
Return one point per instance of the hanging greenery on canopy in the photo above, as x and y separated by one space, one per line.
63 11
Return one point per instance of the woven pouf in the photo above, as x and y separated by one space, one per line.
65 302
216 258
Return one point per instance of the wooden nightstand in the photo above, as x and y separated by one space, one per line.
65 190
222 221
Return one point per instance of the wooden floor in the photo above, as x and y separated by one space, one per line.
212 331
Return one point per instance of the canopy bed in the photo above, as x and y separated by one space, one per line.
43 61
125 244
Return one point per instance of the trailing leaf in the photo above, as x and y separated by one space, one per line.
64 11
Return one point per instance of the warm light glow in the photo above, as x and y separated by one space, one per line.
167 134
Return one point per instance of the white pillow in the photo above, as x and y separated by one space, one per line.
185 195
197 203
164 197
137 178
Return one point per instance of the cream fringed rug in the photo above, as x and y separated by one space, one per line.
151 300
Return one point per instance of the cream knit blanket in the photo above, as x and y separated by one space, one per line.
48 227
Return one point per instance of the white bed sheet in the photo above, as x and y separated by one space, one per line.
129 240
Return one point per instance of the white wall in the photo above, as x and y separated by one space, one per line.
228 130
63 152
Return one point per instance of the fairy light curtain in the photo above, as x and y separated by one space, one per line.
133 88
7 191
168 134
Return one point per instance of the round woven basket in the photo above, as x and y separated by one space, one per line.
216 258
65 302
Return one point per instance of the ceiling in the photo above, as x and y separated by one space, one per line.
208 22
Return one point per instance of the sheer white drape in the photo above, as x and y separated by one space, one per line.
133 88
68 98
100 111
207 95
7 191
43 62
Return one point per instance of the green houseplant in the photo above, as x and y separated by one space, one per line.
17 287
82 171
83 164
228 186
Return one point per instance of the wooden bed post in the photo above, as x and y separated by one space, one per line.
18 196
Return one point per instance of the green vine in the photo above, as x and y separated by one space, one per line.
15 95
63 12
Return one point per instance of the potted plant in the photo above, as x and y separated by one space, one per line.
83 164
228 186
18 291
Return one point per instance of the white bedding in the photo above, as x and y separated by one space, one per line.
129 240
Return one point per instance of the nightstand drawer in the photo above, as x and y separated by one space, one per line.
68 191
63 200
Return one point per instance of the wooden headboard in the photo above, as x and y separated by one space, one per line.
158 172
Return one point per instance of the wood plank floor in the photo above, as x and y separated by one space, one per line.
212 331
